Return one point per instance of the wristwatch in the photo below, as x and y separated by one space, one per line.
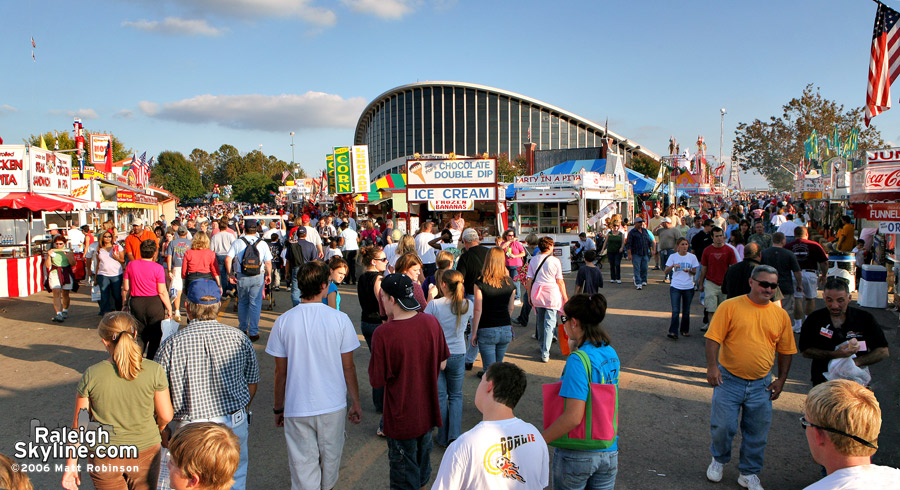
277 411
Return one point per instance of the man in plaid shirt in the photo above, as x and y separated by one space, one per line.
212 370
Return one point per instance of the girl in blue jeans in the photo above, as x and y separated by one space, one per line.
494 302
453 311
573 468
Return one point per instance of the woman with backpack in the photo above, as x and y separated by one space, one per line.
595 465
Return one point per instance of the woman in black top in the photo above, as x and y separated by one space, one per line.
367 288
494 297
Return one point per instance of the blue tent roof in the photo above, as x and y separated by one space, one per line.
640 183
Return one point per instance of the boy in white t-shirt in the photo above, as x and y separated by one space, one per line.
502 451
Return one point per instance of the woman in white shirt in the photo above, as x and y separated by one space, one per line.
547 292
108 272
683 266
453 312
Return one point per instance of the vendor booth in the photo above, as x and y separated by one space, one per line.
437 189
33 184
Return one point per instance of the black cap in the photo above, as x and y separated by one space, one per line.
400 287
250 223
301 231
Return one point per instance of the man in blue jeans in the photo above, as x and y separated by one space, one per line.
249 287
298 251
639 247
743 339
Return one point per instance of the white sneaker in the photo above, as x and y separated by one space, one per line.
714 471
644 283
750 482
638 288
618 281
797 326
517 302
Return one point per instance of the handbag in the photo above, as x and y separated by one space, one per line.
600 424
168 327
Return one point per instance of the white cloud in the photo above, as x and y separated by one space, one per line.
177 26
124 114
284 112
7 108
242 9
80 113
386 9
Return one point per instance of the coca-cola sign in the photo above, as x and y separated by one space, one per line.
882 178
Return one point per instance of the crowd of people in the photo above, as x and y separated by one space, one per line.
430 304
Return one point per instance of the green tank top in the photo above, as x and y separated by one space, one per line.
614 243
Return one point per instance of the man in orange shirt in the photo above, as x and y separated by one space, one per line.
744 336
133 241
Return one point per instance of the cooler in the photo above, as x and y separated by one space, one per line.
873 290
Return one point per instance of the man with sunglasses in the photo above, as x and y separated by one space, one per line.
744 337
836 324
842 420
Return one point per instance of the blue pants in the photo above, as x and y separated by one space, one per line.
590 470
640 263
492 343
734 400
368 330
513 271
615 266
681 304
471 351
664 255
546 323
223 274
410 462
110 293
450 396
250 298
295 290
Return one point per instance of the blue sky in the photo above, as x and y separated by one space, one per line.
184 74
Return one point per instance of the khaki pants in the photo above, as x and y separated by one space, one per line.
131 474
714 295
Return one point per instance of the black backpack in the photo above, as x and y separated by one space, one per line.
251 262
294 251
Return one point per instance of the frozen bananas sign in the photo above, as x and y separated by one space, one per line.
441 172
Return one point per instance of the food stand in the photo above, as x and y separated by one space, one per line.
439 188
32 181
875 194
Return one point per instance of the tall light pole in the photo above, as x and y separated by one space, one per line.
722 142
292 150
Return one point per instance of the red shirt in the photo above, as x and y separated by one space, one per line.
717 261
203 260
406 360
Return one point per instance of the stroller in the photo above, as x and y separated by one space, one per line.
276 247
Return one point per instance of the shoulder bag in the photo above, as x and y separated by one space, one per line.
545 295
600 424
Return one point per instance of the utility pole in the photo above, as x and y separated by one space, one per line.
722 143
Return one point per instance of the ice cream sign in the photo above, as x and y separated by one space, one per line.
439 172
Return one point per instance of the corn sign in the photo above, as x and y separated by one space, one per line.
343 176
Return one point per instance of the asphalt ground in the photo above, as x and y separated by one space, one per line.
664 399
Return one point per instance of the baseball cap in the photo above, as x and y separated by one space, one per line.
665 220
200 288
137 222
400 287
639 220
305 217
301 231
250 223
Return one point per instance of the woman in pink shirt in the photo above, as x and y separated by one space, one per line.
514 253
145 283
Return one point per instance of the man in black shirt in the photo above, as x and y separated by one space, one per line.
699 242
837 323
470 264
789 278
737 277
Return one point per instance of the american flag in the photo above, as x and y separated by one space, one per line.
141 169
885 63
284 176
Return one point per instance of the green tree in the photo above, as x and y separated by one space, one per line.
67 142
202 160
645 165
227 165
173 172
769 146
254 187
507 170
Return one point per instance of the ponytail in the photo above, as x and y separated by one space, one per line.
590 312
118 328
459 305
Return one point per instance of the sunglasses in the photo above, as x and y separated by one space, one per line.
563 318
382 259
767 285
805 423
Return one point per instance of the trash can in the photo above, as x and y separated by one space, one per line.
873 287
842 265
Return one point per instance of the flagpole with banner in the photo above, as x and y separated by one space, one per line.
884 65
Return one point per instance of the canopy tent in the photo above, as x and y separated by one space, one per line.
43 202
639 182
390 182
